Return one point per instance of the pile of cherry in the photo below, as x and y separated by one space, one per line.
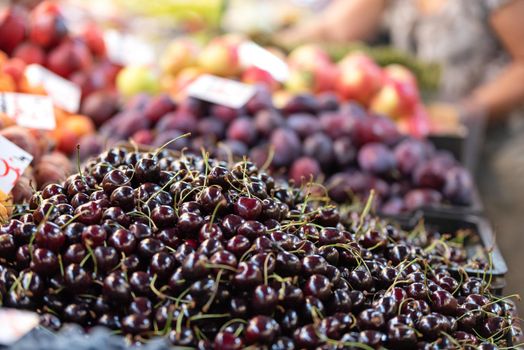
213 255
310 137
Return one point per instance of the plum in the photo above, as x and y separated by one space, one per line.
286 146
344 151
68 57
304 169
167 135
230 148
100 106
143 137
336 124
22 191
432 173
393 206
138 102
419 198
212 127
224 113
192 106
328 101
243 129
260 101
376 158
158 106
409 153
304 124
91 145
458 186
127 123
267 120
320 147
179 120
259 154
375 129
301 103
343 186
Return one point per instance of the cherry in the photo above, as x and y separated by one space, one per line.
238 245
77 278
77 313
116 286
264 299
136 324
189 223
307 337
248 208
261 329
147 170
184 337
162 264
318 286
228 341
49 236
44 261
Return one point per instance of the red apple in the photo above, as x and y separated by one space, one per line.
359 78
47 25
70 56
220 57
94 38
308 56
255 75
13 25
30 53
395 99
320 78
179 54
399 73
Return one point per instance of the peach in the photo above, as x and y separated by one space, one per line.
220 57
13 26
79 124
94 38
308 56
15 67
30 53
7 83
395 99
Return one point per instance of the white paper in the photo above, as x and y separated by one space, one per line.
221 91
13 162
251 54
29 110
64 93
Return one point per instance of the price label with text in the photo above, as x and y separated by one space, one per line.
221 91
64 93
14 324
251 54
13 162
28 110
119 45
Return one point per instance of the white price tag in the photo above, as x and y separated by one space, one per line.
28 110
13 162
128 50
251 54
221 91
64 93
14 324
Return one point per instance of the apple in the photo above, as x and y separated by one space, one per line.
255 75
47 25
134 79
395 99
94 38
399 73
30 53
359 78
176 85
220 57
319 78
179 54
308 56
68 57
13 26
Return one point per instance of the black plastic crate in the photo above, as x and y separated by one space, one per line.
481 229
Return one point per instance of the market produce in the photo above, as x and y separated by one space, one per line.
216 255
41 36
309 136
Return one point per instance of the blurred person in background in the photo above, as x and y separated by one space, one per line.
480 46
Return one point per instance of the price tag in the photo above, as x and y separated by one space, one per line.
14 324
251 54
119 47
13 162
221 91
28 110
64 93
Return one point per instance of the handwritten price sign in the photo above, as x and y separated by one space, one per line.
251 54
15 324
222 91
30 111
13 162
64 93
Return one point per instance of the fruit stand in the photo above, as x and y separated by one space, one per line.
232 195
